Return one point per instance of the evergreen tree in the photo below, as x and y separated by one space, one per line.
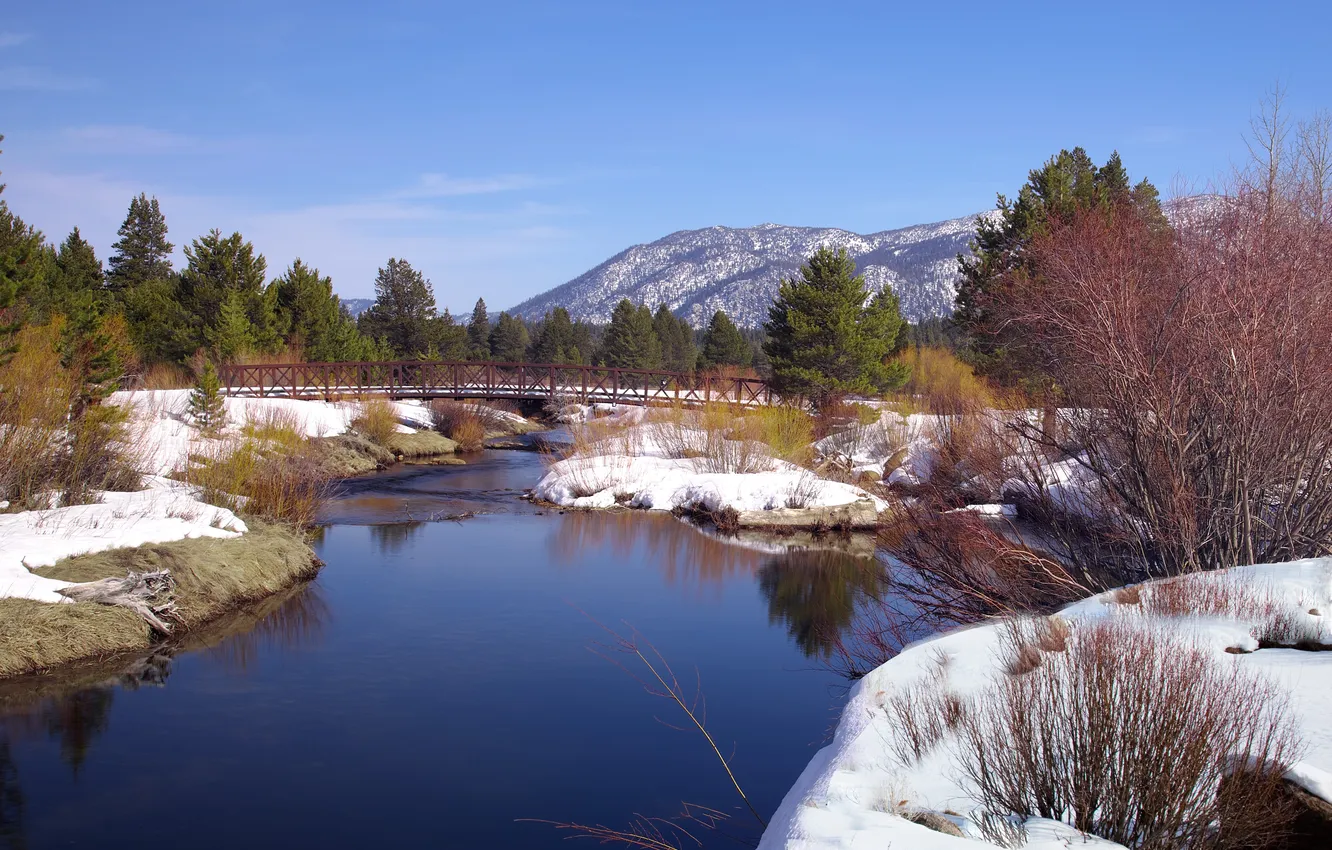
160 326
404 311
478 332
142 253
206 403
724 345
1066 184
311 316
450 341
220 271
631 339
79 273
509 339
232 334
678 353
827 338
558 339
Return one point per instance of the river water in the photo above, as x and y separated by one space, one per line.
440 681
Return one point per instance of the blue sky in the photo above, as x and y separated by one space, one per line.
505 147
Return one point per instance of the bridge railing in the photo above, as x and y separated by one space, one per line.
404 379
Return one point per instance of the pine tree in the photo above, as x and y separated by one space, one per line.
827 338
478 332
678 352
509 339
1066 184
222 267
558 339
311 316
723 344
631 340
404 311
449 339
206 404
232 334
142 253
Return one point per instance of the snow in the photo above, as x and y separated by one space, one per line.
852 792
169 436
631 466
165 511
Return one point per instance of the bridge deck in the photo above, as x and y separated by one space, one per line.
423 379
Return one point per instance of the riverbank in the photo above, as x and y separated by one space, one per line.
922 735
212 576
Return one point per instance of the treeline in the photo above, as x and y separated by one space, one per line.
137 310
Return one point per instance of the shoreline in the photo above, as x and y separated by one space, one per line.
214 577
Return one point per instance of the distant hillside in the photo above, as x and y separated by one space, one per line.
697 272
357 306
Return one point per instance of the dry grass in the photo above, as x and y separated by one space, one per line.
1141 768
212 576
280 477
165 376
293 352
376 420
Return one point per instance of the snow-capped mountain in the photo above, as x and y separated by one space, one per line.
697 272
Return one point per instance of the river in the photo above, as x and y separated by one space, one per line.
440 681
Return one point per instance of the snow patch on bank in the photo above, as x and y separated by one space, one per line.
854 790
166 511
169 436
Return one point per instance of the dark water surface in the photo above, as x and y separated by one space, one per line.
434 684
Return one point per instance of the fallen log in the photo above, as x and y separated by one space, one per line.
147 594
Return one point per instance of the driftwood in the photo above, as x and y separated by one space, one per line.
146 594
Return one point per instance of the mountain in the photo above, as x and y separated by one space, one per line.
697 272
357 306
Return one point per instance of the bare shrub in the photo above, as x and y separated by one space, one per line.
264 478
460 422
942 384
54 445
922 712
1198 399
1276 620
376 420
1126 736
787 431
804 491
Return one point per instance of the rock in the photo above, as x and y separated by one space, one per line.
861 514
1309 818
936 822
894 461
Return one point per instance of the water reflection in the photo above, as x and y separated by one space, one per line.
393 537
74 708
11 800
818 594
685 555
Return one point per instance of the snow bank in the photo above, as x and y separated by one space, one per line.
169 436
848 794
664 484
634 463
164 512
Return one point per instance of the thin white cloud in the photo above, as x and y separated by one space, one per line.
13 39
30 78
444 186
509 253
129 138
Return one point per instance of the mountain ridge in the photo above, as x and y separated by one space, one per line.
739 269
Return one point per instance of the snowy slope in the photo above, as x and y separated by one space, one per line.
697 272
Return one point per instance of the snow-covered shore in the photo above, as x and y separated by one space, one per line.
163 512
854 792
162 420
665 466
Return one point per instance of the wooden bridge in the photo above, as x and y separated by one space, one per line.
424 379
